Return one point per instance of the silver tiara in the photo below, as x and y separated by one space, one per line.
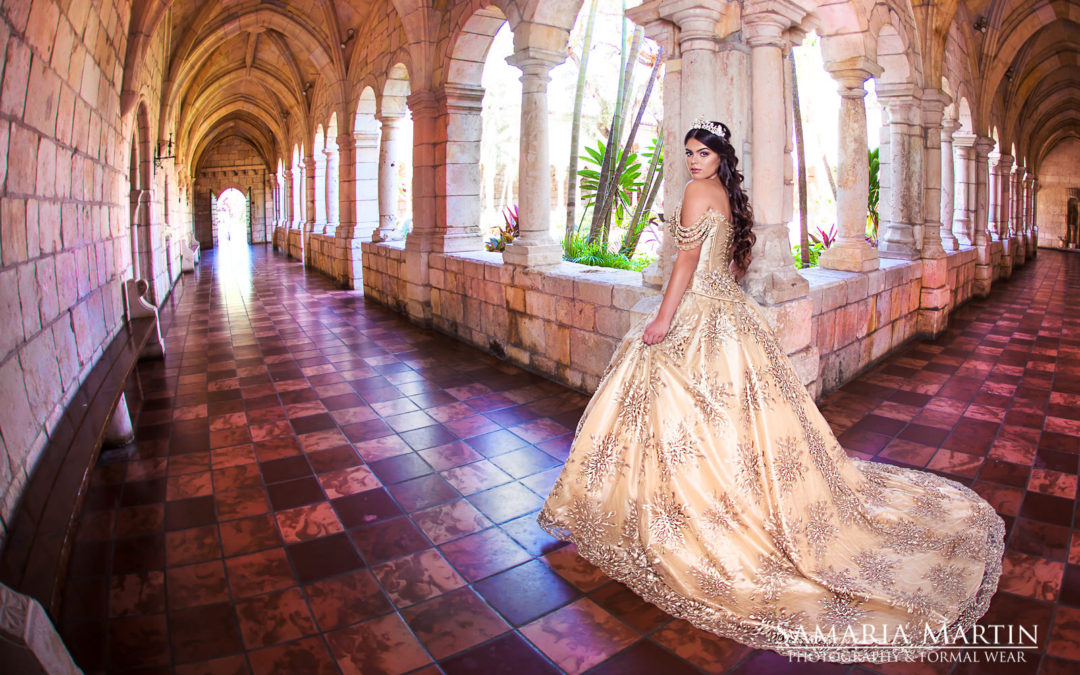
711 127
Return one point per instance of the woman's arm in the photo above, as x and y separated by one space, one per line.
695 204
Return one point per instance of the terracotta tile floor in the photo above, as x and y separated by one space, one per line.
320 486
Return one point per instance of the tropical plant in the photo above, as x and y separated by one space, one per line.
578 249
800 157
824 238
507 232
872 196
812 253
575 124
613 162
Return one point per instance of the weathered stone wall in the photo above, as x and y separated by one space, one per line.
565 321
1058 174
64 214
562 321
233 164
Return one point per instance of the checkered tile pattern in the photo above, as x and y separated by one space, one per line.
320 487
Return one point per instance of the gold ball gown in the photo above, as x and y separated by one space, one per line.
704 478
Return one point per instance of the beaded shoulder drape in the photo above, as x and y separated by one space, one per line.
705 479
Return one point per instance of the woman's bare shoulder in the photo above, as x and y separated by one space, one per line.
701 195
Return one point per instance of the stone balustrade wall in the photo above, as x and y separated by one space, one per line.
564 321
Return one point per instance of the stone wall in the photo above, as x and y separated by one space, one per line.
565 321
1058 174
562 321
64 214
233 164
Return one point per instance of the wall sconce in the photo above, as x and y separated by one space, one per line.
349 35
981 24
169 153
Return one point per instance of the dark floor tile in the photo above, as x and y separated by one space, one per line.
400 468
286 468
293 493
364 508
182 514
645 657
203 633
509 654
526 592
423 492
326 557
428 437
136 642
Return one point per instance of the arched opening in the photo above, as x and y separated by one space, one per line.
899 231
366 132
819 119
232 218
298 201
142 252
333 180
500 117
319 154
395 153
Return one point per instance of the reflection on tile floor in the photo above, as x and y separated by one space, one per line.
321 487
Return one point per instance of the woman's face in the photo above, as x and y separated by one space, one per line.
700 160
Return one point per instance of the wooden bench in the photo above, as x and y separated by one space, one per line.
35 556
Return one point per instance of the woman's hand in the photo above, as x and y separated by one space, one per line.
656 331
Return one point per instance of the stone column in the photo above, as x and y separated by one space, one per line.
534 245
319 173
309 193
993 199
903 213
418 245
934 103
964 213
772 279
1005 232
983 262
457 182
851 251
388 180
1030 186
348 256
948 184
333 190
1014 214
935 294
366 189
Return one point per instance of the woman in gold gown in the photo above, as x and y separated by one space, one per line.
704 478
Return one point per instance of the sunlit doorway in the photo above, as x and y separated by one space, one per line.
232 229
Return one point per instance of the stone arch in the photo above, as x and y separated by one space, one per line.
394 110
963 115
396 90
214 216
333 177
469 46
140 232
366 132
318 148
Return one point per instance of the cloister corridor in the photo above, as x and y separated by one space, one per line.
319 484
301 302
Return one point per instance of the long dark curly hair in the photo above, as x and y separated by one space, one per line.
742 215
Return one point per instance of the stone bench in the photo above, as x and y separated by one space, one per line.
189 255
36 553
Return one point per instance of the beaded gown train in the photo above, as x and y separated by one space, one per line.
705 479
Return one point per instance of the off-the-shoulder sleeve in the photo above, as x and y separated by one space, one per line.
691 236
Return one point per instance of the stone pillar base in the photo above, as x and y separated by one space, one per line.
531 255
29 644
446 242
119 432
849 257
